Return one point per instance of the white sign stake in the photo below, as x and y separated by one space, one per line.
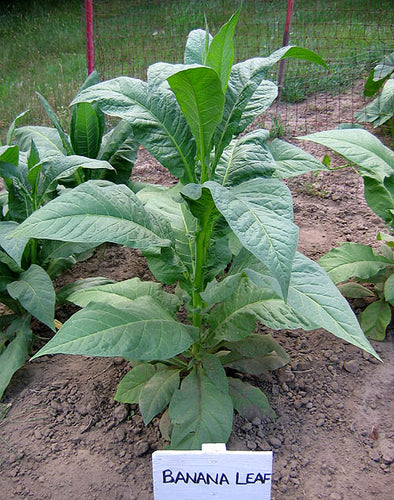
213 472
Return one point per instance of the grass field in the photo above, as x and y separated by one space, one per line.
44 47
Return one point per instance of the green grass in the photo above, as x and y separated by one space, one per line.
44 47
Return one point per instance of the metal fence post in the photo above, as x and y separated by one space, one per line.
286 36
89 35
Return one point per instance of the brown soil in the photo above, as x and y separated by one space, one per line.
64 437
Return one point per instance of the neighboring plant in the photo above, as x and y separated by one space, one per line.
375 164
27 267
380 84
86 139
224 235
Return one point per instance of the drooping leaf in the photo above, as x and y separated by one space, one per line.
156 394
314 299
389 289
381 109
380 197
123 292
35 292
235 319
158 73
249 401
292 161
200 413
375 319
95 212
170 265
359 146
354 290
14 246
56 167
155 117
16 352
215 371
46 139
81 284
6 276
272 238
256 354
130 386
353 260
200 97
143 331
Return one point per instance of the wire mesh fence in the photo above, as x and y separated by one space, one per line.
351 35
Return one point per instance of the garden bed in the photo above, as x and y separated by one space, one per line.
63 436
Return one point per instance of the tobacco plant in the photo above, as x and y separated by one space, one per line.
375 163
224 236
380 85
28 266
86 139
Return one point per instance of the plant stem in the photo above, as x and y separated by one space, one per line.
33 251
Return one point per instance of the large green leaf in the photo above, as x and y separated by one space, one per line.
158 73
156 394
6 275
314 300
57 166
13 246
246 157
200 413
389 289
16 352
268 235
155 117
172 263
292 161
197 46
255 355
375 319
86 130
353 260
380 109
35 292
123 293
141 331
46 139
380 197
95 212
249 401
235 319
200 96
359 146
221 50
130 386
248 93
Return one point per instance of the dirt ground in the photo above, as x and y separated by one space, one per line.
62 436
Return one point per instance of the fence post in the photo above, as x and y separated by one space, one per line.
89 35
286 36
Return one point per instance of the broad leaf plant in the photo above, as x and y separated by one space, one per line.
358 269
224 237
28 266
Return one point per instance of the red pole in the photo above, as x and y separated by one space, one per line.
89 35
286 37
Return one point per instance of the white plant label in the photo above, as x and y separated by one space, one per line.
213 472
